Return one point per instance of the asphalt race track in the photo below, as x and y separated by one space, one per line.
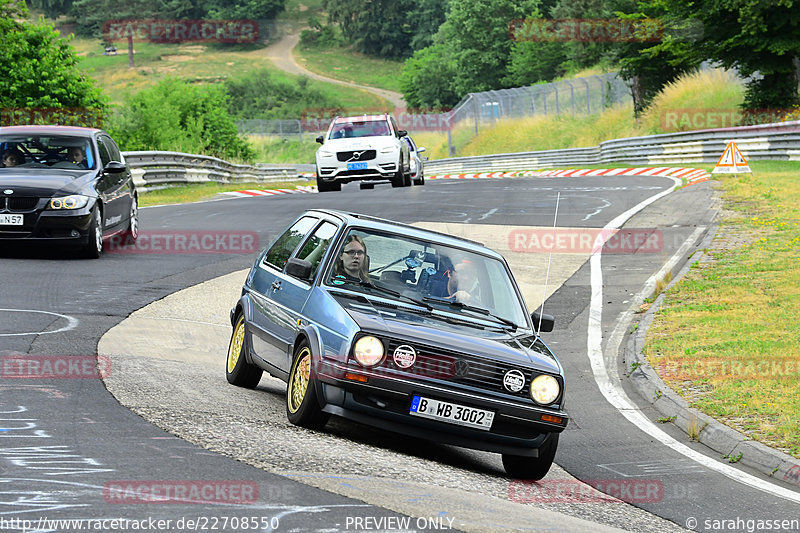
68 449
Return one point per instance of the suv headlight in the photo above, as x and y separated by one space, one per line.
369 351
545 389
75 201
325 153
388 149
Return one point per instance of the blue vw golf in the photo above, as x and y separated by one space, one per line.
403 329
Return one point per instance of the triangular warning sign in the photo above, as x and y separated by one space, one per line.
732 161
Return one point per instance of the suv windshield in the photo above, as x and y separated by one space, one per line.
353 128
53 151
448 279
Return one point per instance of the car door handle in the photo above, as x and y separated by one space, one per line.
276 285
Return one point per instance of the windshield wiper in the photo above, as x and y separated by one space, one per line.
396 294
478 310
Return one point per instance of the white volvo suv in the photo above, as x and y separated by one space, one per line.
364 148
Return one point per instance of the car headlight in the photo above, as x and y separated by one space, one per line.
325 153
545 389
369 351
388 150
75 201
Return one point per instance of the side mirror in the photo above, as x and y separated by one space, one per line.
548 322
114 167
420 149
402 133
321 139
299 268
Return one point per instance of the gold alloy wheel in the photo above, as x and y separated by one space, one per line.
298 383
235 348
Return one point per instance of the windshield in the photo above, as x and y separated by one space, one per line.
43 151
360 128
447 279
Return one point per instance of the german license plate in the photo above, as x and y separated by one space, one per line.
452 413
357 166
11 220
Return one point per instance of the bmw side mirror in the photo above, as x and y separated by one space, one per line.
299 268
114 167
548 322
321 139
402 133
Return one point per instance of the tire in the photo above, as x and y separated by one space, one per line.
94 247
302 405
328 186
533 468
237 370
133 224
420 180
399 179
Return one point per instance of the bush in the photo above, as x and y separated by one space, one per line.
260 95
177 116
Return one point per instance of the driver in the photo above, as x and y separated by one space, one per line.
77 156
352 262
12 158
463 283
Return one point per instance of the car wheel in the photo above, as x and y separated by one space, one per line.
399 179
133 225
237 370
532 467
420 180
328 186
94 246
302 406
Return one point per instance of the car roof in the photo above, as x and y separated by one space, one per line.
50 130
368 221
362 118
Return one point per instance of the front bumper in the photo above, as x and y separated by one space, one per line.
383 167
67 227
384 402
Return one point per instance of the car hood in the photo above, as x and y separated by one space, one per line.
435 330
41 182
359 143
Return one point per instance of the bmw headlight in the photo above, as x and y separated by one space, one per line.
75 201
545 389
369 351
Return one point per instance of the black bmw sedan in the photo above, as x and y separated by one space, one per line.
64 185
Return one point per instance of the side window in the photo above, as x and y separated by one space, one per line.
279 253
394 125
105 156
113 150
317 244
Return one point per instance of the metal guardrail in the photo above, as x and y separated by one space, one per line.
155 170
766 141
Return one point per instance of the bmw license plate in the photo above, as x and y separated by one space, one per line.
452 413
357 166
11 220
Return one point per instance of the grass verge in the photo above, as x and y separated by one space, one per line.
195 192
727 337
347 65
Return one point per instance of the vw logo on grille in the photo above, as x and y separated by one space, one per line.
404 356
462 368
514 380
8 191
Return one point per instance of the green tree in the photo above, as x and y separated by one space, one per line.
424 19
426 78
40 67
375 27
757 38
52 8
175 115
533 61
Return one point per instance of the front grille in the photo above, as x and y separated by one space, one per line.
357 155
21 204
466 369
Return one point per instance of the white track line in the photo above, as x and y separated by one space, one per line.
611 387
